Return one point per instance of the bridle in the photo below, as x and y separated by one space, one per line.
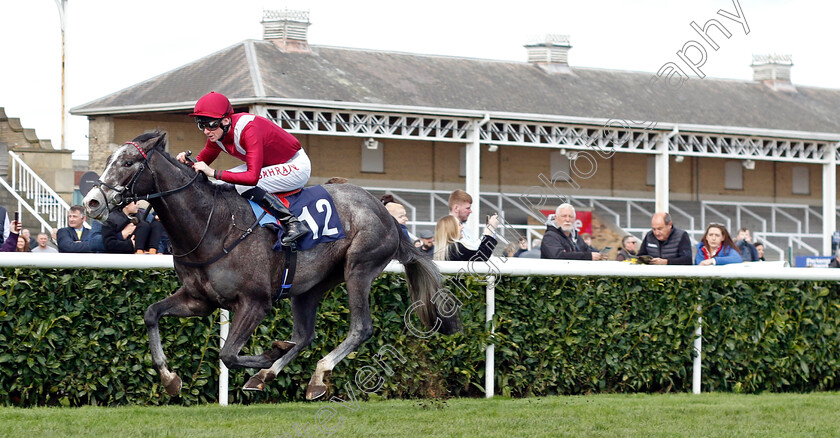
126 195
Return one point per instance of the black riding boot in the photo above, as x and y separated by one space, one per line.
294 228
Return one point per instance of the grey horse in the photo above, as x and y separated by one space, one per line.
222 264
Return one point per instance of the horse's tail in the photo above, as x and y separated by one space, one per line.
424 282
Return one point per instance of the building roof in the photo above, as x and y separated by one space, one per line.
256 71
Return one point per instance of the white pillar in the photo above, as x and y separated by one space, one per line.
829 192
697 368
224 328
663 181
490 359
473 165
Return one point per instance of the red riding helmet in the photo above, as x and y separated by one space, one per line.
214 105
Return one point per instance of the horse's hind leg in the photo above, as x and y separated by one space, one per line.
361 329
304 310
178 304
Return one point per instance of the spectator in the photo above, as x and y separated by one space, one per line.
26 234
157 234
125 233
397 210
745 246
42 246
628 248
460 206
759 249
5 225
534 252
22 244
449 246
427 239
665 243
523 246
716 248
561 240
587 238
835 262
76 237
10 243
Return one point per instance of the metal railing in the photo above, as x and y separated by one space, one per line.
633 216
36 195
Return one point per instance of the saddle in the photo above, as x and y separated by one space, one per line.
313 205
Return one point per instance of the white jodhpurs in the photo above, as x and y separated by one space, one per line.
280 178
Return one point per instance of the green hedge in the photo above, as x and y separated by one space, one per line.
75 337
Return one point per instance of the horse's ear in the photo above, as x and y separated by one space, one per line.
161 141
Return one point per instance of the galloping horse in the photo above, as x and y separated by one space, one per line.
206 222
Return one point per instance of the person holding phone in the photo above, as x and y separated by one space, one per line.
10 243
449 244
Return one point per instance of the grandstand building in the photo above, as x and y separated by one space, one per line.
526 135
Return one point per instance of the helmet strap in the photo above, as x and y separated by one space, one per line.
226 128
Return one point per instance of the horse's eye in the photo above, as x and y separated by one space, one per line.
128 164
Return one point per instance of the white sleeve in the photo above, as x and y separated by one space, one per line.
7 227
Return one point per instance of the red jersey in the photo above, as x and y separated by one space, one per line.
257 141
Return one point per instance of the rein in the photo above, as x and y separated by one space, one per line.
132 197
225 250
125 199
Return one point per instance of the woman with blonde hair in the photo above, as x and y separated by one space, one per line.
448 245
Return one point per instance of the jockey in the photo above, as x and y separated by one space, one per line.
274 160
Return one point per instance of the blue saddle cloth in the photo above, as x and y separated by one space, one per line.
314 206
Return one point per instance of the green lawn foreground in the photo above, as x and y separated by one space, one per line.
610 415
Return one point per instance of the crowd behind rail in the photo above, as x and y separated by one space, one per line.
136 229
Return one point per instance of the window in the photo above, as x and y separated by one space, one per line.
373 160
561 167
651 171
734 179
462 170
801 180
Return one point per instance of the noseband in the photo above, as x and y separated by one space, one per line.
126 195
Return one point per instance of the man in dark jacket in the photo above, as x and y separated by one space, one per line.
561 240
76 237
667 244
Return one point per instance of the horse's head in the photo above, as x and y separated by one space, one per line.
127 175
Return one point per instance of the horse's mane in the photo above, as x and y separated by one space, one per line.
184 168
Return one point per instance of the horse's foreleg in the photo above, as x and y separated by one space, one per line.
361 329
177 304
304 309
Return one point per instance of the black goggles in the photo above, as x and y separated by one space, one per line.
211 124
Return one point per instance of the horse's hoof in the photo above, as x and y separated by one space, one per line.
314 392
255 383
278 350
283 346
173 387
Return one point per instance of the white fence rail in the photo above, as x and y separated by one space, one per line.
489 271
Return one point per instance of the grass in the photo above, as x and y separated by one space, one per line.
646 415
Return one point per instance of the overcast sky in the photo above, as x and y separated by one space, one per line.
114 44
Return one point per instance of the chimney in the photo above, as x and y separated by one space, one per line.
287 30
551 53
773 71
